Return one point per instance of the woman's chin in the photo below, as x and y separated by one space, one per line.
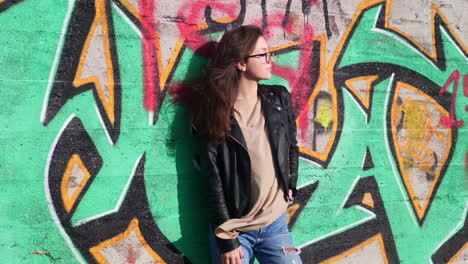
267 76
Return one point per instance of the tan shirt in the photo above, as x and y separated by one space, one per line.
267 197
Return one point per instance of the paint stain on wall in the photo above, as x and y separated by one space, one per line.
324 115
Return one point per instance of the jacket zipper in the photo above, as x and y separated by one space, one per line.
248 156
289 165
239 144
287 137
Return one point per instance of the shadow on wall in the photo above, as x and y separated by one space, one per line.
191 184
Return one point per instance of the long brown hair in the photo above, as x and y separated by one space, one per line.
212 98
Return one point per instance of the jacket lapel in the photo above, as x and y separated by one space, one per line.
236 133
272 114
272 111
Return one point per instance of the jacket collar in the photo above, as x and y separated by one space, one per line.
271 115
235 131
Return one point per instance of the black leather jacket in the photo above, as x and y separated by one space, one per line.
227 164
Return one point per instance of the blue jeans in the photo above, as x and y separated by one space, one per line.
270 245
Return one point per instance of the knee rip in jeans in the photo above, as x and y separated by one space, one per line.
292 250
287 250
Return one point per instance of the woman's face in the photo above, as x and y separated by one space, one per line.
258 65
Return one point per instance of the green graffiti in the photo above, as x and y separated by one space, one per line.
173 186
324 215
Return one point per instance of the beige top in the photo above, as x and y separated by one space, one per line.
267 197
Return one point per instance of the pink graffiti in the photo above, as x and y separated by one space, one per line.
451 121
131 256
465 89
192 14
314 2
466 163
149 55
465 93
300 80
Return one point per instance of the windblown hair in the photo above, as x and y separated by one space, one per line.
212 98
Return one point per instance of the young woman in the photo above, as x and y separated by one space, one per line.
251 156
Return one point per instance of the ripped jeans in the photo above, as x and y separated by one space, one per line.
270 245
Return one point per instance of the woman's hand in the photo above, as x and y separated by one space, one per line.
290 195
233 257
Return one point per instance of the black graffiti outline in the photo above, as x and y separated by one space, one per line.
337 244
453 245
410 77
86 150
264 14
440 60
134 19
62 89
384 70
213 24
75 140
8 3
284 23
337 137
314 72
306 6
302 198
82 238
160 95
327 19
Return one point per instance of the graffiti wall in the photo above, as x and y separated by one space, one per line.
98 166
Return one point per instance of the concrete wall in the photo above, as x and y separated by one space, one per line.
97 164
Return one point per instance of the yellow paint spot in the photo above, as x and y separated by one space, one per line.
324 116
418 154
414 120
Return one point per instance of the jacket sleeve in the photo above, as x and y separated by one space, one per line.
218 211
293 148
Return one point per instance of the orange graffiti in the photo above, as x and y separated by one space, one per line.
68 198
414 142
132 228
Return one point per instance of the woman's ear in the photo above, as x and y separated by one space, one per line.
241 65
